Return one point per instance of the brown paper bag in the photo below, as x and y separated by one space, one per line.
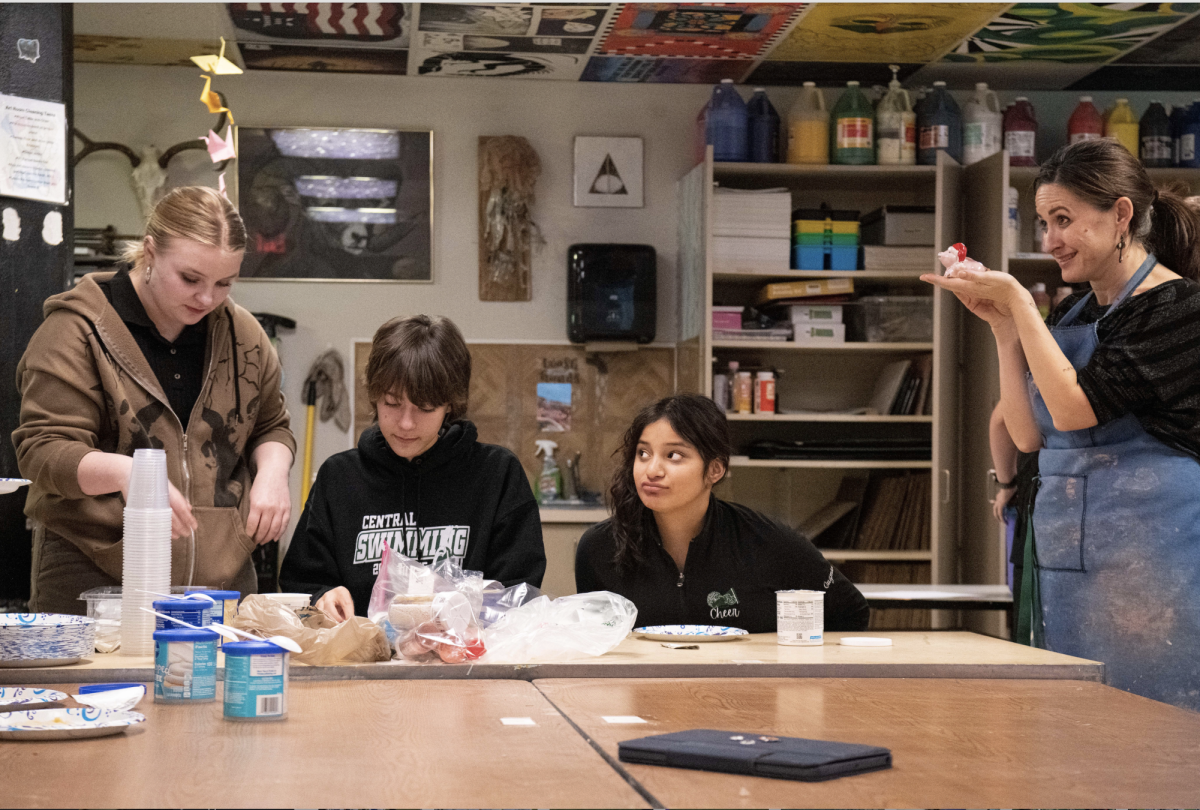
325 643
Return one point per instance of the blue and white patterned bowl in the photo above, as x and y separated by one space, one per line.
13 698
65 724
45 639
690 632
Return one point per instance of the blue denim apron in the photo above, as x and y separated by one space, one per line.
1117 541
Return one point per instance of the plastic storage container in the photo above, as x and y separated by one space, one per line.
808 127
763 124
256 681
983 125
892 318
1178 121
939 126
1020 133
1085 123
727 126
896 126
1122 125
824 239
1154 137
852 129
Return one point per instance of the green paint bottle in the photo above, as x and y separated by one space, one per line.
852 130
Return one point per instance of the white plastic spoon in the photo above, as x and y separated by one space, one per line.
279 641
232 633
219 629
192 595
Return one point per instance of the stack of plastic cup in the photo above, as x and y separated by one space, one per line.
147 549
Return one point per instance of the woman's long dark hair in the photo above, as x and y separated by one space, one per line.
700 423
1102 171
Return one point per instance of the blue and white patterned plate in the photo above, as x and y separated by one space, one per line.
14 697
690 632
8 485
45 639
65 724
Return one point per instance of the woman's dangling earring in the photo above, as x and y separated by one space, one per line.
149 270
1121 250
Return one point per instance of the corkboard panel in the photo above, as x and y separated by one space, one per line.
503 404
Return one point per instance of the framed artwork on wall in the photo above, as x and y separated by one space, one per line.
336 204
608 172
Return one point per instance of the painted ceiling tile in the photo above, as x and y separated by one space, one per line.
882 32
566 67
654 70
706 30
509 19
274 56
1179 46
1070 32
323 23
138 51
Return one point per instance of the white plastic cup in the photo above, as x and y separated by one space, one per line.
800 618
148 480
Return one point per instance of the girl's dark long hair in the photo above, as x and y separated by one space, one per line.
1102 171
700 423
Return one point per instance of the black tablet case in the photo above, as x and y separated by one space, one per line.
784 758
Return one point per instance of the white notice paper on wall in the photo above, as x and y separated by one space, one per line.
33 149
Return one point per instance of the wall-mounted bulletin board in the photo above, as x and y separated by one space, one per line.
505 379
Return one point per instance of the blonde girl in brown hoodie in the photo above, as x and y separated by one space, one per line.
154 355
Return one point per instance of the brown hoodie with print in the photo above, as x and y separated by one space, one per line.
86 386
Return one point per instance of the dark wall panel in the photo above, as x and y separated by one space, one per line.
30 269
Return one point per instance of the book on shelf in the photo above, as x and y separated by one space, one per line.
923 367
835 525
896 513
784 290
887 387
889 257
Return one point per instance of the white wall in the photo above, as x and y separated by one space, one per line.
138 106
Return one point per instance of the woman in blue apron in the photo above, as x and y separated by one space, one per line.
1108 390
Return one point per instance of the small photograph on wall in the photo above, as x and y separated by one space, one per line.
554 407
608 172
336 204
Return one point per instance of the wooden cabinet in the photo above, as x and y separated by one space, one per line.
821 380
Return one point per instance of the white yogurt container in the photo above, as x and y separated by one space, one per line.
800 618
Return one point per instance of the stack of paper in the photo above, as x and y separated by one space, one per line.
751 230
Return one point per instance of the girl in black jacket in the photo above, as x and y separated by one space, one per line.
685 557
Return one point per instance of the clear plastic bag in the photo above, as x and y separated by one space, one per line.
438 612
556 630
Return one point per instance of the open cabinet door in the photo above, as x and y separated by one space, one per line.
984 560
947 318
693 368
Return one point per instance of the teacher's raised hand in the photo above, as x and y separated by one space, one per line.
988 294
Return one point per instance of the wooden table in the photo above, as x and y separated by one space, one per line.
1012 743
920 654
354 744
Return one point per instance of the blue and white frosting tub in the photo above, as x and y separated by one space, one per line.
256 679
185 666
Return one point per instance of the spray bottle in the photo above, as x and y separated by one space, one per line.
896 124
550 482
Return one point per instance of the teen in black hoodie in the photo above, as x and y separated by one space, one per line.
427 492
685 557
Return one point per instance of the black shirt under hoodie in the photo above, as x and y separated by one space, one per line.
460 498
732 570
